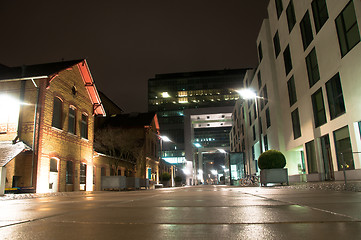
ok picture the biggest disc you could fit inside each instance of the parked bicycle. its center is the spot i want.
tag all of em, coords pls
(249, 180)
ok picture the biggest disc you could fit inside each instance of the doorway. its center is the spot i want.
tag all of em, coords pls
(53, 175)
(327, 159)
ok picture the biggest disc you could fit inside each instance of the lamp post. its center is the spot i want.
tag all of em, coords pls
(161, 140)
(249, 94)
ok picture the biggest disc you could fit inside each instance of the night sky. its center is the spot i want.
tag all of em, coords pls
(128, 42)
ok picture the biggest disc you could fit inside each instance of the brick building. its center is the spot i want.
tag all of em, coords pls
(47, 126)
(129, 144)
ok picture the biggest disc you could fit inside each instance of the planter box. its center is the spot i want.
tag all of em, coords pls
(277, 175)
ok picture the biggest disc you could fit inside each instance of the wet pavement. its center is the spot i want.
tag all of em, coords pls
(202, 212)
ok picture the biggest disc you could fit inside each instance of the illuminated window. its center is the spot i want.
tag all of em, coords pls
(57, 113)
(9, 115)
(82, 173)
(183, 100)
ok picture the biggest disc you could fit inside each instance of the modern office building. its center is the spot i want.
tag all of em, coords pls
(171, 95)
(308, 84)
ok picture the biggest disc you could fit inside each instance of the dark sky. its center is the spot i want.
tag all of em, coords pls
(128, 42)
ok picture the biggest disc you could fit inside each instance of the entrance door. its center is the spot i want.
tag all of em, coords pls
(327, 160)
(53, 175)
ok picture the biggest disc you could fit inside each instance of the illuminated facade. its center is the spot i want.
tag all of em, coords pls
(171, 94)
(52, 118)
(309, 80)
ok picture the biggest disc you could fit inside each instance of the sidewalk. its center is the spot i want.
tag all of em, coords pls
(354, 186)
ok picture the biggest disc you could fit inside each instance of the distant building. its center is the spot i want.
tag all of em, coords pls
(46, 126)
(129, 146)
(310, 83)
(172, 95)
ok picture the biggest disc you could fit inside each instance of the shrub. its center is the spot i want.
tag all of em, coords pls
(165, 177)
(271, 159)
(178, 179)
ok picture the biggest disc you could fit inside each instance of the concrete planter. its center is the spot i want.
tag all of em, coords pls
(277, 175)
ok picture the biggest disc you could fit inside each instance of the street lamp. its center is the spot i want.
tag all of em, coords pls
(249, 94)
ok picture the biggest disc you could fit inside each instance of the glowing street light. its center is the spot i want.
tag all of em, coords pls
(246, 93)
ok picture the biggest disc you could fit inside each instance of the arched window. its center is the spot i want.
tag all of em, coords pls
(69, 172)
(57, 113)
(84, 126)
(72, 118)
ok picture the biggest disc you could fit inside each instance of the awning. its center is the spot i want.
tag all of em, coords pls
(8, 151)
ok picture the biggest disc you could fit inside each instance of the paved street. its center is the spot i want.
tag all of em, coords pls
(204, 212)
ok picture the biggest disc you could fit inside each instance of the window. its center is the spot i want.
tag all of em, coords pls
(259, 80)
(335, 97)
(279, 8)
(260, 125)
(71, 125)
(84, 126)
(296, 124)
(347, 29)
(53, 165)
(268, 118)
(287, 59)
(320, 14)
(343, 145)
(253, 154)
(260, 54)
(265, 142)
(359, 128)
(254, 111)
(312, 68)
(57, 113)
(318, 108)
(276, 44)
(265, 95)
(82, 173)
(311, 157)
(102, 171)
(250, 118)
(306, 30)
(292, 91)
(69, 172)
(291, 17)
(254, 132)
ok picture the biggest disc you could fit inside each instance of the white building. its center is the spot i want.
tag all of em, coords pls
(309, 78)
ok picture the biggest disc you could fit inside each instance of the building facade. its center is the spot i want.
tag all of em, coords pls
(171, 95)
(49, 108)
(308, 85)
